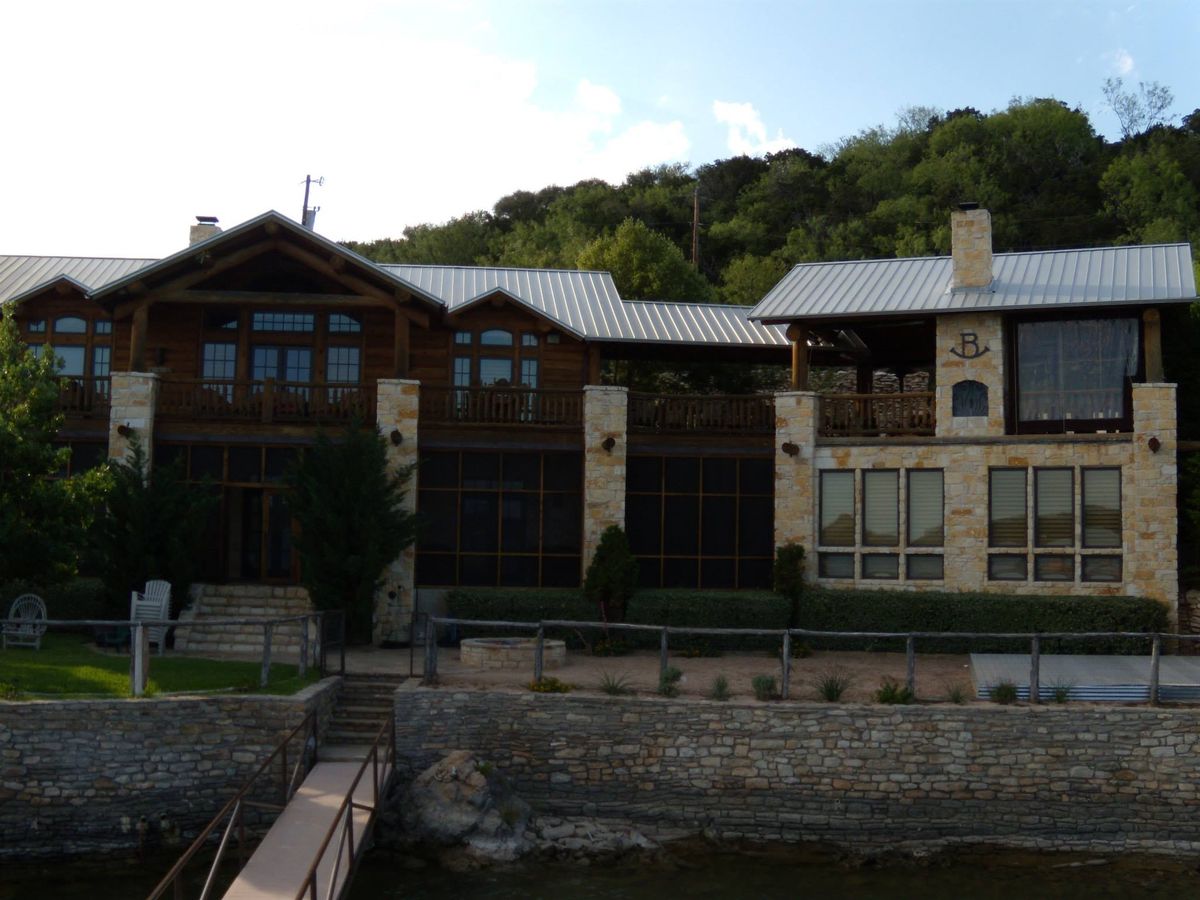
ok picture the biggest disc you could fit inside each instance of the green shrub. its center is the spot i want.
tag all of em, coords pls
(893, 692)
(719, 689)
(610, 646)
(668, 682)
(827, 609)
(612, 575)
(831, 685)
(548, 684)
(1004, 693)
(615, 685)
(1061, 692)
(958, 693)
(764, 687)
(78, 598)
(788, 577)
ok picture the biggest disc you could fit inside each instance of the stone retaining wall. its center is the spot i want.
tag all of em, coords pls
(1074, 777)
(242, 601)
(78, 776)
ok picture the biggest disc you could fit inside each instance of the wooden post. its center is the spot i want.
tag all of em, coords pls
(1155, 654)
(538, 652)
(401, 352)
(266, 656)
(268, 401)
(663, 659)
(593, 364)
(910, 656)
(798, 335)
(139, 659)
(304, 647)
(1152, 346)
(430, 651)
(785, 680)
(137, 340)
(1035, 660)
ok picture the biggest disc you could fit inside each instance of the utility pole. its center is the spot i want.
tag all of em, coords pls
(308, 216)
(696, 226)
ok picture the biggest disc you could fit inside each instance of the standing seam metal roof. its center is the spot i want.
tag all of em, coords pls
(1160, 273)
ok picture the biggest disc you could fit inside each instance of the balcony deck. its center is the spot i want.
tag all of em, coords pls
(265, 402)
(701, 414)
(876, 415)
(84, 397)
(502, 406)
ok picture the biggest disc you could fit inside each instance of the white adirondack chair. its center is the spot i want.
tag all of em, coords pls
(26, 633)
(152, 604)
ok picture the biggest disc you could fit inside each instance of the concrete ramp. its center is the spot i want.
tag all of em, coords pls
(280, 863)
(1116, 679)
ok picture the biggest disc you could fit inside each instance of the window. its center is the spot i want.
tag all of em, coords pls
(38, 326)
(835, 565)
(221, 319)
(1101, 507)
(463, 337)
(342, 365)
(880, 565)
(1006, 508)
(496, 338)
(282, 322)
(528, 339)
(70, 325)
(495, 371)
(837, 509)
(1007, 567)
(529, 373)
(219, 361)
(104, 326)
(462, 371)
(881, 509)
(101, 361)
(925, 508)
(341, 323)
(1054, 507)
(924, 567)
(70, 359)
(1053, 567)
(1101, 568)
(1072, 374)
(290, 364)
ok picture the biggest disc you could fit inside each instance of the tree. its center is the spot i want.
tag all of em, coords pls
(43, 518)
(612, 575)
(747, 279)
(645, 265)
(1141, 111)
(353, 523)
(149, 526)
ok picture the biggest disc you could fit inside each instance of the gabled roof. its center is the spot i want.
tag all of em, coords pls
(586, 304)
(1152, 273)
(23, 275)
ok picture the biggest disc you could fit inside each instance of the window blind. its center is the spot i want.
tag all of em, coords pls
(1102, 507)
(881, 508)
(1055, 507)
(925, 508)
(837, 509)
(1006, 508)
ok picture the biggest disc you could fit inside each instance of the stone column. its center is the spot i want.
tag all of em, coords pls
(970, 347)
(1150, 524)
(605, 444)
(132, 401)
(795, 473)
(396, 414)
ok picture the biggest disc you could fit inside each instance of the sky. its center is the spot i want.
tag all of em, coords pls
(124, 120)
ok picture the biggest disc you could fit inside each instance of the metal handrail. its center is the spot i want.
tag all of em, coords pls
(344, 818)
(235, 810)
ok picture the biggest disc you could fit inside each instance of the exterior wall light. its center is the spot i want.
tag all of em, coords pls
(396, 437)
(790, 449)
(1154, 444)
(124, 430)
(608, 443)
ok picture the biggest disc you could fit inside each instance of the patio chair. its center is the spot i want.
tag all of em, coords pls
(153, 604)
(26, 633)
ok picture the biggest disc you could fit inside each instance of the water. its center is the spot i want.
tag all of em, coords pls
(786, 875)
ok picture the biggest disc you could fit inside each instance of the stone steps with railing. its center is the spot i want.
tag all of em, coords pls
(241, 601)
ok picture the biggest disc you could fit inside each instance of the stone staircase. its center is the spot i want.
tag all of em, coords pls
(362, 707)
(241, 601)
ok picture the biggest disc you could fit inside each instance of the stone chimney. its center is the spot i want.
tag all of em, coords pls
(205, 227)
(971, 247)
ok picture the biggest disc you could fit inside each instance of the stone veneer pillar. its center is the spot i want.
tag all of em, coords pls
(1150, 513)
(605, 415)
(133, 397)
(795, 475)
(396, 407)
(959, 336)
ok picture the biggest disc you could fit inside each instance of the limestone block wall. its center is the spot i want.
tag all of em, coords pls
(1151, 524)
(605, 415)
(397, 405)
(795, 492)
(214, 602)
(134, 396)
(1067, 777)
(79, 775)
(959, 337)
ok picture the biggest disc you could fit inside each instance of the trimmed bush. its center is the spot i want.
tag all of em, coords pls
(79, 598)
(612, 575)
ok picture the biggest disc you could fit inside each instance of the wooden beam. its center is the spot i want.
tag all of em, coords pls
(798, 335)
(270, 298)
(137, 340)
(1152, 346)
(197, 275)
(593, 364)
(402, 345)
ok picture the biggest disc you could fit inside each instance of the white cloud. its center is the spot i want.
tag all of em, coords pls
(1122, 61)
(598, 99)
(747, 133)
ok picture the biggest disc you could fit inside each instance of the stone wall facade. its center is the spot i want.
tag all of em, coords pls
(795, 491)
(605, 416)
(133, 398)
(958, 338)
(1067, 778)
(242, 601)
(397, 406)
(86, 777)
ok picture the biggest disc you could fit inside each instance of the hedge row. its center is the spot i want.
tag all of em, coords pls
(838, 610)
(79, 598)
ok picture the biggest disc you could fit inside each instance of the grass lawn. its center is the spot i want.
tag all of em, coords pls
(68, 666)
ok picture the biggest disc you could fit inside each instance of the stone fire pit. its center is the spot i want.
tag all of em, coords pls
(510, 653)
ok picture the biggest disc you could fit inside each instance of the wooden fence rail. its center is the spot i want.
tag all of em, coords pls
(518, 406)
(859, 415)
(265, 401)
(702, 413)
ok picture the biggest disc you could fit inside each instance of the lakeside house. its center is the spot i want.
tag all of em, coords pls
(998, 422)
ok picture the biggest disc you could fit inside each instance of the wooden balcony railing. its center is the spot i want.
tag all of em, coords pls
(502, 406)
(84, 397)
(265, 401)
(858, 415)
(702, 413)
